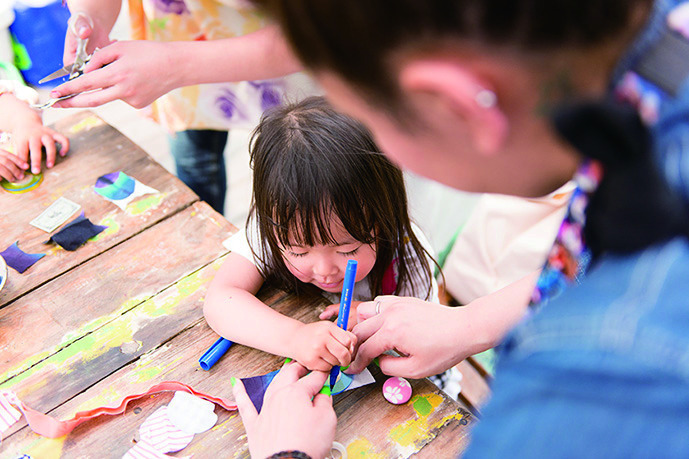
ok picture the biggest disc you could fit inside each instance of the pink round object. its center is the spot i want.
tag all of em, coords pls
(397, 390)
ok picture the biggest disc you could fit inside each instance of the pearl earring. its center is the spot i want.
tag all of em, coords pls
(486, 98)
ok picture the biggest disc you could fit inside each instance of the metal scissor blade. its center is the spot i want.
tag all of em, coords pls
(66, 70)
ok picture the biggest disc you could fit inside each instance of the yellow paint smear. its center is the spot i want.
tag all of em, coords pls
(362, 448)
(86, 123)
(415, 431)
(144, 204)
(45, 448)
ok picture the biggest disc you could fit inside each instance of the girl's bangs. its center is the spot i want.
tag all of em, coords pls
(310, 225)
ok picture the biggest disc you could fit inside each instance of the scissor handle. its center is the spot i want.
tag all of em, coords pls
(78, 20)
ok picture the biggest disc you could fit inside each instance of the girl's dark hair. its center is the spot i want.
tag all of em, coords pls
(357, 39)
(310, 163)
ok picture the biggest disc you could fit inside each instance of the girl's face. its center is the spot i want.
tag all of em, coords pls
(324, 265)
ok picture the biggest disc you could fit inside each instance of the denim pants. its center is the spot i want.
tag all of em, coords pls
(200, 163)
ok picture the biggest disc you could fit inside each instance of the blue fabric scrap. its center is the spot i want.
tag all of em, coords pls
(76, 233)
(19, 260)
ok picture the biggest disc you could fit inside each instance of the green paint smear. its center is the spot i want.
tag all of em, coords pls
(69, 338)
(113, 329)
(422, 406)
(144, 204)
(112, 227)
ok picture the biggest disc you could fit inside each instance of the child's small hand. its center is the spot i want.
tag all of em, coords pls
(322, 345)
(333, 310)
(11, 166)
(30, 137)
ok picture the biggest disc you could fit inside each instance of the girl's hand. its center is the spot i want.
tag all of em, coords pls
(11, 166)
(128, 70)
(322, 345)
(295, 416)
(334, 311)
(30, 137)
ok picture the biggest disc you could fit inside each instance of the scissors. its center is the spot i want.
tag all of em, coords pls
(77, 68)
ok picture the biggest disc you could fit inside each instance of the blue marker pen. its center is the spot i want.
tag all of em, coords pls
(213, 354)
(345, 303)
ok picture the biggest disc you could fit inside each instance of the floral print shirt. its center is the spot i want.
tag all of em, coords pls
(209, 106)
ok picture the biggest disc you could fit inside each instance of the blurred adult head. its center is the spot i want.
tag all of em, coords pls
(459, 91)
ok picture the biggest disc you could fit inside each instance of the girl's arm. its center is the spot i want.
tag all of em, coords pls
(233, 311)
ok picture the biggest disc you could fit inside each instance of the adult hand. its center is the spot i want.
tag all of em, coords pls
(429, 337)
(135, 71)
(81, 26)
(322, 345)
(295, 416)
(333, 310)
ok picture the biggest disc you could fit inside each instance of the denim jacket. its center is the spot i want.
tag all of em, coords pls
(602, 371)
(665, 104)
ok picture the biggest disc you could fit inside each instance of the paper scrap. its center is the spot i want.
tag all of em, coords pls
(191, 414)
(121, 189)
(256, 386)
(55, 215)
(159, 431)
(8, 413)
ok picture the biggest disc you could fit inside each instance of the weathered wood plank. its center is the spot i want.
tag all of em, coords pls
(475, 388)
(367, 424)
(102, 289)
(96, 149)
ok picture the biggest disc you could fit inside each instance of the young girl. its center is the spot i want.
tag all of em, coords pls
(323, 194)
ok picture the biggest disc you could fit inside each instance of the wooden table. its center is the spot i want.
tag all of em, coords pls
(123, 312)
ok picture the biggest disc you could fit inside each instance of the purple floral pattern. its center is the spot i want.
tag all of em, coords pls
(171, 6)
(229, 105)
(270, 95)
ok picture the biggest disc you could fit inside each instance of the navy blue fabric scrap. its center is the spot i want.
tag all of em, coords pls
(76, 233)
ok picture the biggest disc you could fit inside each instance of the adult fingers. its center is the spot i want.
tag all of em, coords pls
(103, 57)
(364, 330)
(398, 366)
(35, 147)
(368, 350)
(247, 410)
(288, 374)
(365, 310)
(313, 382)
(90, 99)
(64, 143)
(377, 306)
(96, 79)
(323, 401)
(70, 49)
(81, 24)
(49, 145)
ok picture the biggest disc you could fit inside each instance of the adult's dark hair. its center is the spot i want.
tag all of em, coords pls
(356, 39)
(310, 163)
